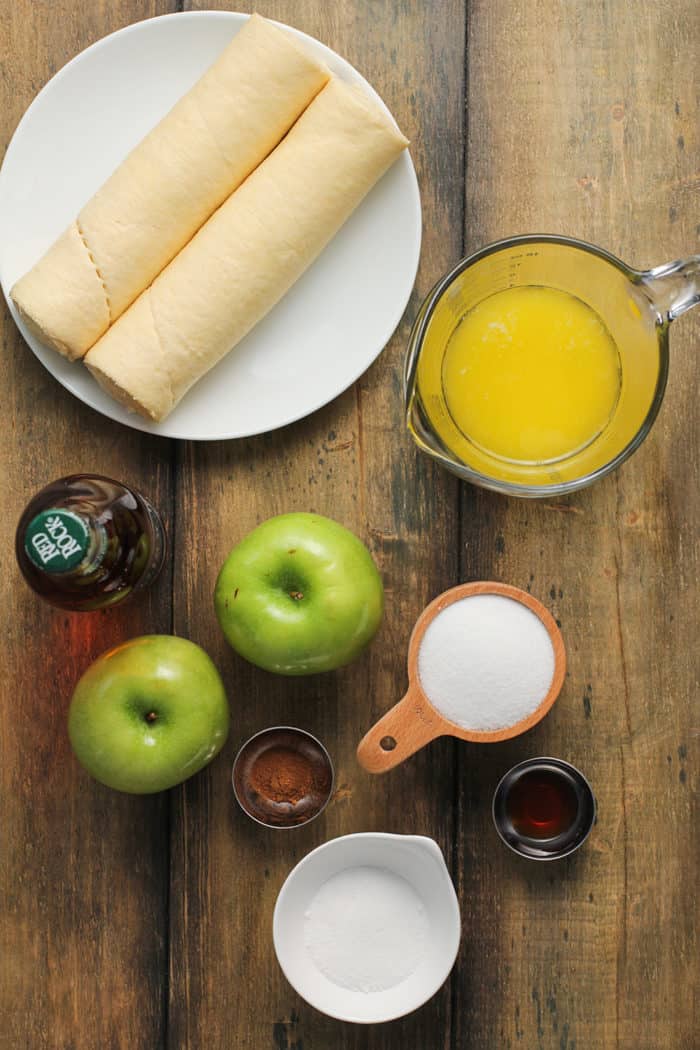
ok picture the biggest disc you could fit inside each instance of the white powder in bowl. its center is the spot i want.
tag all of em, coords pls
(485, 662)
(366, 929)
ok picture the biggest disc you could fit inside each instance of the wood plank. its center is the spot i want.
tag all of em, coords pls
(596, 136)
(352, 461)
(582, 120)
(83, 870)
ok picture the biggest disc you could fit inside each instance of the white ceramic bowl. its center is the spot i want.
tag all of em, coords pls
(414, 858)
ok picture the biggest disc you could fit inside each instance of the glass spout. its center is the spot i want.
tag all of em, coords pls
(673, 287)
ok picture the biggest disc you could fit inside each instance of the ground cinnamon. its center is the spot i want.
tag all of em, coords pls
(282, 775)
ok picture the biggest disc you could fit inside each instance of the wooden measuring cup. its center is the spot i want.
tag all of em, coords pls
(414, 722)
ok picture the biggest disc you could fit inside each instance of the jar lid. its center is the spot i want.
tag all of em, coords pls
(57, 541)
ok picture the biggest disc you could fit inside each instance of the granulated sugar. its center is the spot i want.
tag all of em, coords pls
(366, 929)
(485, 662)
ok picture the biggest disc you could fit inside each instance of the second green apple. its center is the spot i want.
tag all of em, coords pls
(148, 714)
(299, 594)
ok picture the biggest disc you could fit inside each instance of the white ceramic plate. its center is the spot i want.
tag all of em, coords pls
(413, 857)
(326, 331)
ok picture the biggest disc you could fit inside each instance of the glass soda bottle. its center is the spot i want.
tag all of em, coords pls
(86, 542)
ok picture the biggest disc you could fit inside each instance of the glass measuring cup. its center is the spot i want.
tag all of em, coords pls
(635, 306)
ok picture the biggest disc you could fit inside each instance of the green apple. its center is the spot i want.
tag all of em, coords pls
(299, 594)
(148, 714)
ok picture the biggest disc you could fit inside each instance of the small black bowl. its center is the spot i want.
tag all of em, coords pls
(562, 808)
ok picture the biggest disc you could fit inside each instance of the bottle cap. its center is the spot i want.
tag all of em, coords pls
(57, 540)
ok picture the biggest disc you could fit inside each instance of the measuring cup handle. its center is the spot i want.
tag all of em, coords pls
(674, 287)
(402, 731)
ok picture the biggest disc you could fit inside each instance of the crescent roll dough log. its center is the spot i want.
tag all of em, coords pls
(249, 253)
(168, 186)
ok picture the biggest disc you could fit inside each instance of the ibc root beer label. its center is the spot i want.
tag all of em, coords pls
(57, 540)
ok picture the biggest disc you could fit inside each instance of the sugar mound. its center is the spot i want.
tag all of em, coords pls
(485, 662)
(366, 929)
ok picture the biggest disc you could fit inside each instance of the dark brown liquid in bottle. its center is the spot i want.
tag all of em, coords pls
(542, 804)
(125, 537)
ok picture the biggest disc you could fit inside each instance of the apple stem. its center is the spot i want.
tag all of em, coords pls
(296, 595)
(151, 717)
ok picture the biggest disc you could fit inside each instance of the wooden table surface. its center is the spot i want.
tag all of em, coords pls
(145, 923)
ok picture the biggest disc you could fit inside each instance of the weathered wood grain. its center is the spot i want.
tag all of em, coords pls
(582, 119)
(352, 461)
(83, 871)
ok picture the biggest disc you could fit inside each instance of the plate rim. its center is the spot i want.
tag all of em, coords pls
(134, 421)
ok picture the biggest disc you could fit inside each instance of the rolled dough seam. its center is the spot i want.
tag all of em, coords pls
(215, 142)
(83, 238)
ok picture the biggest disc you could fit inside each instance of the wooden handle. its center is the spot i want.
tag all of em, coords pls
(403, 730)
